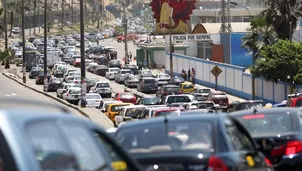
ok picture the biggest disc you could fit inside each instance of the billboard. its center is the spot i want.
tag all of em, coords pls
(239, 55)
(178, 10)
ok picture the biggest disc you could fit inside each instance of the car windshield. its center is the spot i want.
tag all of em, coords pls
(74, 73)
(149, 81)
(75, 91)
(172, 89)
(178, 99)
(147, 73)
(151, 100)
(134, 112)
(114, 70)
(246, 106)
(127, 96)
(94, 96)
(116, 108)
(77, 78)
(102, 85)
(267, 123)
(173, 136)
(164, 76)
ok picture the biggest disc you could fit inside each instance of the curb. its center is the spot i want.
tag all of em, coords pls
(13, 77)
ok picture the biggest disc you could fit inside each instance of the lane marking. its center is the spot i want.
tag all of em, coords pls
(7, 95)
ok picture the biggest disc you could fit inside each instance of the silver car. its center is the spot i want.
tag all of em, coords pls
(121, 75)
(93, 100)
(112, 73)
(132, 81)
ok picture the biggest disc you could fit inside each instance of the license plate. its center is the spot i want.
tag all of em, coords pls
(76, 96)
(220, 102)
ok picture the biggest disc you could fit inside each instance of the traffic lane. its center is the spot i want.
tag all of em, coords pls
(116, 87)
(11, 89)
(94, 114)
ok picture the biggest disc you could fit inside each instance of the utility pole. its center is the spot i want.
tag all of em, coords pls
(5, 24)
(83, 69)
(45, 46)
(35, 6)
(71, 12)
(171, 46)
(39, 20)
(225, 13)
(23, 43)
(62, 15)
(125, 34)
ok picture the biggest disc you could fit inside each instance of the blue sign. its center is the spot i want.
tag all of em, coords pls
(145, 63)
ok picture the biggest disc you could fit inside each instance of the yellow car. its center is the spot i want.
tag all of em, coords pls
(187, 87)
(113, 109)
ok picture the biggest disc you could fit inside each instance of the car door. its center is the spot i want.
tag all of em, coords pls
(248, 157)
(120, 116)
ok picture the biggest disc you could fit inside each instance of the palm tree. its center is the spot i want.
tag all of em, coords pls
(283, 15)
(260, 34)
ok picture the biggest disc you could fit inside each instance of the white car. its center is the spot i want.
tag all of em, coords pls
(72, 95)
(93, 100)
(162, 79)
(68, 71)
(128, 113)
(103, 88)
(111, 73)
(63, 89)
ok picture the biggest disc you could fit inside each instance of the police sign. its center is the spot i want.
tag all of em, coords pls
(197, 37)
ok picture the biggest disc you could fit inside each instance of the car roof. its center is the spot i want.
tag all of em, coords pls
(162, 120)
(285, 110)
(103, 82)
(133, 106)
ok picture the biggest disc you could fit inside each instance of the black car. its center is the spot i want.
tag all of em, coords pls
(34, 71)
(245, 105)
(278, 131)
(54, 84)
(101, 70)
(40, 77)
(148, 101)
(191, 142)
(168, 90)
(177, 80)
(133, 68)
(101, 60)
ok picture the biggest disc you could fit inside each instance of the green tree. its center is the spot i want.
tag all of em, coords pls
(260, 34)
(280, 61)
(283, 15)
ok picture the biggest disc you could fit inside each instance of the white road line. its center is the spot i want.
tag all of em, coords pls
(13, 94)
(7, 95)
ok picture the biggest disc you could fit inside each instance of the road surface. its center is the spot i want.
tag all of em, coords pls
(11, 89)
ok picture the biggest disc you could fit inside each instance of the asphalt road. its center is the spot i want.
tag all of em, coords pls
(10, 89)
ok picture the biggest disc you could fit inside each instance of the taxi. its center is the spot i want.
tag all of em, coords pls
(187, 87)
(113, 109)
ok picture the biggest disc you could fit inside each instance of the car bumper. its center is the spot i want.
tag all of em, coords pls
(290, 163)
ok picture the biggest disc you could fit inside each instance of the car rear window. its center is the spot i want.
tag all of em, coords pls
(134, 112)
(178, 99)
(126, 72)
(158, 138)
(127, 96)
(186, 86)
(116, 108)
(246, 106)
(74, 91)
(102, 85)
(165, 113)
(172, 89)
(268, 123)
(93, 96)
(164, 76)
(149, 81)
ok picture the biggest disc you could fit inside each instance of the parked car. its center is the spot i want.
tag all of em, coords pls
(125, 97)
(40, 77)
(132, 81)
(219, 97)
(168, 90)
(110, 75)
(72, 95)
(54, 84)
(93, 100)
(63, 89)
(103, 88)
(101, 70)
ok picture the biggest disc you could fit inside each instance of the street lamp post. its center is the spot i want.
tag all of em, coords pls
(125, 34)
(45, 46)
(83, 69)
(171, 46)
(23, 43)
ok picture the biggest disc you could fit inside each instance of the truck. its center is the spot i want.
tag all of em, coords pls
(30, 60)
(52, 58)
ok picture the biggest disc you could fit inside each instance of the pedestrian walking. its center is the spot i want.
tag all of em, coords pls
(189, 74)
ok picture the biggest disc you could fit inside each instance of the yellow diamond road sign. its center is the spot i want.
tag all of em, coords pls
(216, 71)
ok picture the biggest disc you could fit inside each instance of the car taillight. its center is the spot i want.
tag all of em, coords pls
(267, 162)
(76, 82)
(291, 147)
(217, 164)
(67, 94)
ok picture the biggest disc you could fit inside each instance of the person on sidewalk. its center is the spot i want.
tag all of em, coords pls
(189, 74)
(130, 56)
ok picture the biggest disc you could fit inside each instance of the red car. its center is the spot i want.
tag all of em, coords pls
(219, 97)
(77, 62)
(126, 97)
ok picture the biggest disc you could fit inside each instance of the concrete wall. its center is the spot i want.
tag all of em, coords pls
(232, 80)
